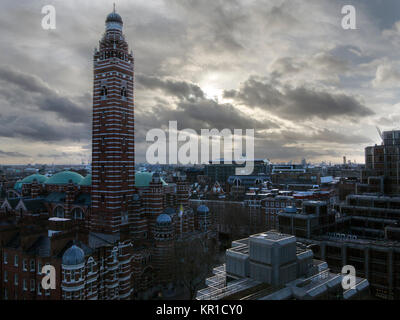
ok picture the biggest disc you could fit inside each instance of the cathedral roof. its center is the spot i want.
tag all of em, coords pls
(143, 179)
(87, 181)
(65, 177)
(38, 177)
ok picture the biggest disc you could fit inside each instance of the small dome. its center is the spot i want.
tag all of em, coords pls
(114, 17)
(203, 209)
(73, 256)
(164, 219)
(38, 177)
(65, 177)
(170, 211)
(87, 181)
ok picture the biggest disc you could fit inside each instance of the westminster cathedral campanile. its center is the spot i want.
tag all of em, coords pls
(113, 151)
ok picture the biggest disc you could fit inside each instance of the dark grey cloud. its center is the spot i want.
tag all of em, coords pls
(323, 135)
(307, 68)
(12, 154)
(191, 109)
(298, 103)
(35, 128)
(180, 89)
(33, 91)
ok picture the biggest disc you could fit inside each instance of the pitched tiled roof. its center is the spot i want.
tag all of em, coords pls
(41, 247)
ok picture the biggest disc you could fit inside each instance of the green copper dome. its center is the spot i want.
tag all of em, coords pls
(65, 177)
(38, 177)
(18, 185)
(87, 181)
(143, 179)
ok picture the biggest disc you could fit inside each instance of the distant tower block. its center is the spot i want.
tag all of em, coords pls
(344, 160)
(113, 150)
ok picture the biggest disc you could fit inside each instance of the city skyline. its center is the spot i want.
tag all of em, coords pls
(310, 88)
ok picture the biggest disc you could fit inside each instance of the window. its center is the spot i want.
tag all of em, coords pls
(39, 267)
(39, 289)
(5, 276)
(78, 214)
(5, 258)
(32, 284)
(103, 91)
(25, 286)
(123, 92)
(24, 265)
(32, 265)
(16, 260)
(59, 212)
(16, 279)
(5, 294)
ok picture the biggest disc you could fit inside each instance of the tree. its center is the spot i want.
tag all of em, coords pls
(193, 262)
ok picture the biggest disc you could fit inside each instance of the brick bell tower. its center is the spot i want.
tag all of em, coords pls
(113, 149)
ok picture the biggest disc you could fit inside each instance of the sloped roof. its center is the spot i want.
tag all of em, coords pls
(65, 177)
(38, 177)
(41, 247)
(87, 181)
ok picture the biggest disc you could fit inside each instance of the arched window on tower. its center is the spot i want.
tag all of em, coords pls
(102, 172)
(77, 214)
(59, 212)
(103, 92)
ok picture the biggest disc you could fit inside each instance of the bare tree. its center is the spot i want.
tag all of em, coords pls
(194, 260)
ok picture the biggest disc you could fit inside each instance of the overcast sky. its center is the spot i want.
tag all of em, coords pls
(288, 69)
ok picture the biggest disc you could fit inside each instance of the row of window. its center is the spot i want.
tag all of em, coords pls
(77, 213)
(112, 73)
(25, 288)
(277, 204)
(104, 92)
(24, 263)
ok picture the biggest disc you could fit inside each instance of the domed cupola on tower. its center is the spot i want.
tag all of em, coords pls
(73, 274)
(114, 21)
(73, 256)
(203, 218)
(164, 244)
(163, 220)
